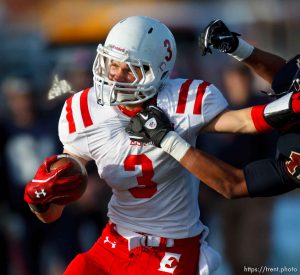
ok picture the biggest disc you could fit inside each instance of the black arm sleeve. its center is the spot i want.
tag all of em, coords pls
(267, 177)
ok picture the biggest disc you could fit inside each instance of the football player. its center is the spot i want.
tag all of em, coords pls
(154, 225)
(267, 177)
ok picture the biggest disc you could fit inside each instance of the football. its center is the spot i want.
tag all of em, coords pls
(78, 168)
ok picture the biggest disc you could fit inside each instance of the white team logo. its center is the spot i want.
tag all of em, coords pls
(59, 87)
(113, 244)
(298, 63)
(169, 262)
(38, 194)
(151, 123)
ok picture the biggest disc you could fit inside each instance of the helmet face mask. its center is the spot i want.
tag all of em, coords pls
(128, 92)
(134, 42)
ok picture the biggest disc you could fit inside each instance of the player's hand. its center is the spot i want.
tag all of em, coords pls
(136, 130)
(47, 186)
(217, 35)
(151, 124)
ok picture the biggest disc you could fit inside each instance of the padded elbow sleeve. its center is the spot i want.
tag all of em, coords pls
(266, 178)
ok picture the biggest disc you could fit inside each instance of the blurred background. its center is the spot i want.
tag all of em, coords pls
(41, 38)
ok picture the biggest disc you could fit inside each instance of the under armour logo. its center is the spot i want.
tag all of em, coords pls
(38, 194)
(113, 244)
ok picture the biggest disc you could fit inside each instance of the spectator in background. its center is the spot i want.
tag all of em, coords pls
(29, 138)
(238, 217)
(31, 135)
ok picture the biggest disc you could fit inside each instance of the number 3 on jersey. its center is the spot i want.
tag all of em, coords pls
(147, 188)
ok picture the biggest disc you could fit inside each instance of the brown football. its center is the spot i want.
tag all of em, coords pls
(78, 167)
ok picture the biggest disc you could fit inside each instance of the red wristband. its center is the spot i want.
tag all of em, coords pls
(296, 103)
(257, 115)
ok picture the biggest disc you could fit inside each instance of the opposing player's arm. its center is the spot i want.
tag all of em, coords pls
(239, 121)
(261, 178)
(279, 114)
(217, 174)
(217, 35)
(264, 64)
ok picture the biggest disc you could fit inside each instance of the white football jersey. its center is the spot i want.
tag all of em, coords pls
(152, 192)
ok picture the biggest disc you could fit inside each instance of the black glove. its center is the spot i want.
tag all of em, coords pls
(136, 131)
(217, 35)
(149, 125)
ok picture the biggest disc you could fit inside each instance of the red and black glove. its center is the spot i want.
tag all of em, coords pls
(279, 114)
(48, 186)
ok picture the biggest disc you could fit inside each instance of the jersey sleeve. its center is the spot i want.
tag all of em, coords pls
(74, 140)
(213, 103)
(195, 102)
(190, 105)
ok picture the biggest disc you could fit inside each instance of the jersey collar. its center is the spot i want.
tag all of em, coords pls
(132, 113)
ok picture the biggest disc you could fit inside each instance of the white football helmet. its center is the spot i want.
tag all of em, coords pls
(144, 44)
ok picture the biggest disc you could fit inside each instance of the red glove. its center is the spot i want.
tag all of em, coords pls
(48, 186)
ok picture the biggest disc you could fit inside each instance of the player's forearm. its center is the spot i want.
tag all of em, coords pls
(218, 175)
(222, 177)
(264, 64)
(232, 121)
(52, 214)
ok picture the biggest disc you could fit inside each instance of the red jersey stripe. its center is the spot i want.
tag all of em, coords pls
(84, 108)
(198, 102)
(69, 115)
(183, 93)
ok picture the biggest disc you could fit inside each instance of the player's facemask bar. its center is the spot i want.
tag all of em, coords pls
(121, 93)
